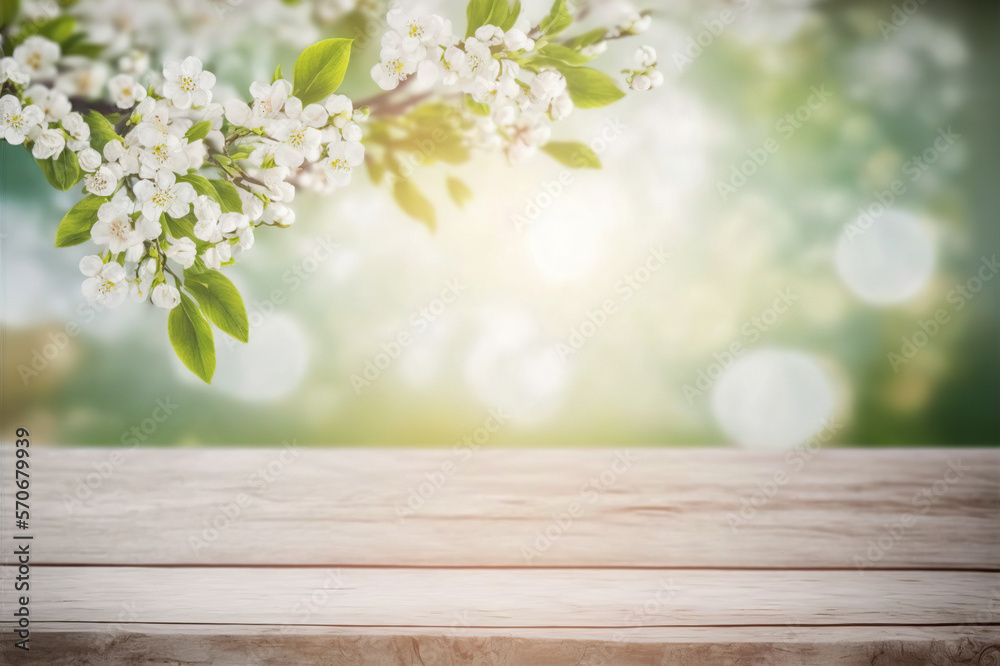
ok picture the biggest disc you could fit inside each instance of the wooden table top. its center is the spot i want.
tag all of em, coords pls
(301, 555)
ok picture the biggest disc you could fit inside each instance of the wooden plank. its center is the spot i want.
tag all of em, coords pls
(509, 597)
(57, 644)
(622, 508)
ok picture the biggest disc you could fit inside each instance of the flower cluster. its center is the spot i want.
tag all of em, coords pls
(41, 115)
(486, 67)
(644, 76)
(177, 181)
(152, 207)
(510, 72)
(319, 143)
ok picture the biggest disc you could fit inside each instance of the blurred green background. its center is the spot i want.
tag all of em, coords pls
(540, 250)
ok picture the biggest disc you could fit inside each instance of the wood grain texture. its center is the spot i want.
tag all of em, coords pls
(63, 644)
(511, 597)
(583, 557)
(579, 508)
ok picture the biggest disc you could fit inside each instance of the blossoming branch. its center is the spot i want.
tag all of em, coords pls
(176, 181)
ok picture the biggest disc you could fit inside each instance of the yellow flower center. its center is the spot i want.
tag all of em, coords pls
(120, 228)
(188, 84)
(162, 198)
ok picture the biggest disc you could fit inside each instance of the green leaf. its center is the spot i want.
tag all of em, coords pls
(573, 154)
(483, 12)
(8, 11)
(277, 74)
(558, 19)
(228, 198)
(77, 222)
(77, 44)
(320, 69)
(413, 202)
(220, 301)
(62, 172)
(183, 227)
(512, 16)
(587, 38)
(58, 29)
(101, 130)
(198, 131)
(476, 107)
(564, 54)
(537, 63)
(458, 191)
(200, 184)
(498, 15)
(192, 339)
(590, 88)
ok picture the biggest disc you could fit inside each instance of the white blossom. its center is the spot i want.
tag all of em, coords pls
(640, 82)
(83, 78)
(340, 109)
(217, 255)
(207, 211)
(183, 251)
(13, 71)
(78, 130)
(54, 103)
(165, 195)
(47, 143)
(396, 62)
(343, 157)
(91, 264)
(89, 159)
(165, 296)
(114, 227)
(125, 91)
(491, 35)
(187, 85)
(107, 285)
(645, 57)
(101, 182)
(16, 122)
(299, 142)
(149, 229)
(38, 56)
(419, 31)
